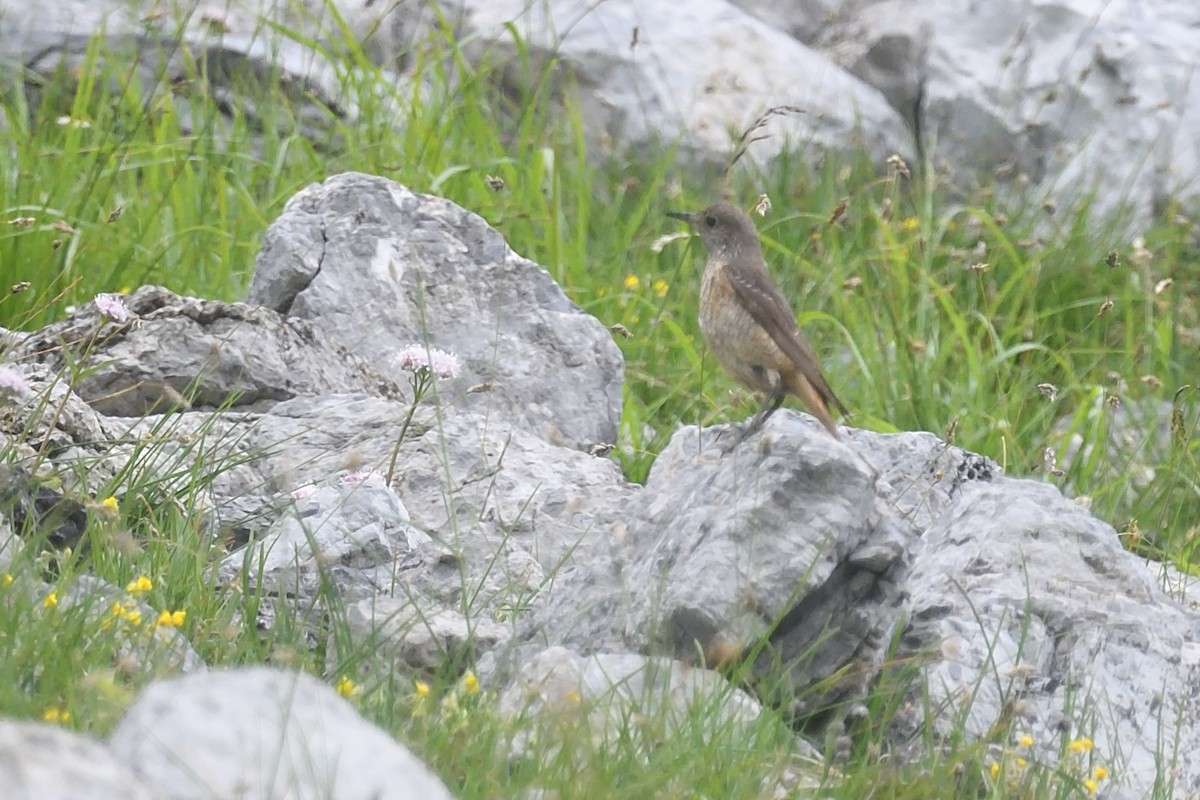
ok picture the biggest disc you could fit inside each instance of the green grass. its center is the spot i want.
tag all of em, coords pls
(101, 190)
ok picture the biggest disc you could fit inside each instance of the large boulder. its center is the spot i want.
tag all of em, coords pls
(657, 72)
(1074, 99)
(264, 733)
(1021, 603)
(45, 761)
(378, 268)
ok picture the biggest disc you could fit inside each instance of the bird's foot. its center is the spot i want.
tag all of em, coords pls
(737, 433)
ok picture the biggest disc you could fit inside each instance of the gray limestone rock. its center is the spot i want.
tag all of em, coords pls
(1056, 99)
(1022, 603)
(404, 634)
(36, 506)
(56, 420)
(225, 45)
(376, 267)
(264, 733)
(357, 523)
(783, 552)
(919, 474)
(840, 559)
(505, 508)
(561, 691)
(650, 73)
(178, 353)
(1069, 96)
(49, 763)
(764, 546)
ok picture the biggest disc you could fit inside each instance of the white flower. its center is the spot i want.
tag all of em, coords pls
(112, 307)
(13, 385)
(416, 357)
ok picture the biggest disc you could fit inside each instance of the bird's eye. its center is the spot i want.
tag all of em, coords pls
(710, 221)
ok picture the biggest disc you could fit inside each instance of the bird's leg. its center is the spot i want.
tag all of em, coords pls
(774, 400)
(772, 403)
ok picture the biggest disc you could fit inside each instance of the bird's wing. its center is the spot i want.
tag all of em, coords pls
(770, 309)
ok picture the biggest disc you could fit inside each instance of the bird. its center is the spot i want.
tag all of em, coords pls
(747, 322)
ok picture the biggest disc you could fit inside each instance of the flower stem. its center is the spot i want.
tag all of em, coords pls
(420, 382)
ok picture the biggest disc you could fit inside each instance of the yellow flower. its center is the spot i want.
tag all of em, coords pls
(660, 287)
(1081, 745)
(6, 581)
(1100, 774)
(1091, 786)
(172, 619)
(142, 584)
(109, 504)
(1021, 763)
(632, 282)
(994, 769)
(346, 687)
(422, 689)
(1026, 741)
(125, 290)
(51, 600)
(471, 683)
(910, 224)
(119, 611)
(573, 697)
(56, 715)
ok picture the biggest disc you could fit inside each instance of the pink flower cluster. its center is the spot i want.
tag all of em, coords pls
(417, 357)
(13, 385)
(111, 306)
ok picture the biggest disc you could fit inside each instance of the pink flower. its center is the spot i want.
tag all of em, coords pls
(304, 491)
(13, 385)
(417, 357)
(371, 478)
(112, 307)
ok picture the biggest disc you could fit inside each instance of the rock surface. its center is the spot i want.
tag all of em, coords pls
(226, 42)
(600, 694)
(648, 73)
(377, 267)
(422, 638)
(181, 352)
(1074, 96)
(788, 551)
(1021, 596)
(47, 762)
(264, 733)
(357, 523)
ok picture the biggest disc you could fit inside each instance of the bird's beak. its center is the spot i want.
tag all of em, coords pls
(680, 215)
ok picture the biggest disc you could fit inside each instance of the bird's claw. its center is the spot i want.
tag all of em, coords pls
(741, 432)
